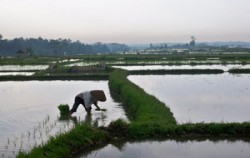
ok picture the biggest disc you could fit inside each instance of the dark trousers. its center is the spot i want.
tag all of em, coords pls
(78, 101)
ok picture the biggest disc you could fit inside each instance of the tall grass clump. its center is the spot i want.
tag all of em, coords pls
(142, 107)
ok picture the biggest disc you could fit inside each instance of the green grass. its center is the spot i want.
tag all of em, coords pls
(141, 106)
(28, 60)
(56, 77)
(149, 118)
(183, 71)
(80, 138)
(238, 71)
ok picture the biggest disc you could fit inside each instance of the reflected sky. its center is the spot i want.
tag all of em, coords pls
(172, 67)
(201, 98)
(16, 73)
(168, 148)
(22, 67)
(29, 113)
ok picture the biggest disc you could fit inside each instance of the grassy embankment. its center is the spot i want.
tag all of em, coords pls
(62, 72)
(133, 98)
(28, 60)
(239, 71)
(58, 71)
(149, 118)
(174, 72)
(65, 145)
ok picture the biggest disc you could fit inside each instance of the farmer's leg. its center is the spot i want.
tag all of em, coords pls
(87, 109)
(78, 101)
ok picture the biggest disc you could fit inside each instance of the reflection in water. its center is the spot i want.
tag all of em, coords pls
(175, 149)
(179, 67)
(29, 113)
(201, 98)
(88, 119)
(16, 73)
(22, 67)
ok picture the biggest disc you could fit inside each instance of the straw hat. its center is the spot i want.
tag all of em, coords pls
(98, 95)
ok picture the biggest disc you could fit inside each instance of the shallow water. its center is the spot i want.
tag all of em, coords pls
(22, 67)
(16, 73)
(174, 149)
(179, 67)
(201, 98)
(29, 114)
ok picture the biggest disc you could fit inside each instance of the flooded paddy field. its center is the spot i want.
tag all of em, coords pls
(16, 73)
(181, 67)
(201, 98)
(20, 70)
(172, 148)
(22, 67)
(29, 113)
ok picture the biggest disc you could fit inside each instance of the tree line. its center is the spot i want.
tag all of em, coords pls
(54, 47)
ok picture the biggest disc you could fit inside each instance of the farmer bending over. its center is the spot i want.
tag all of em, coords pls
(87, 99)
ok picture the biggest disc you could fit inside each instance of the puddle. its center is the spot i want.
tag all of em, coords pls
(201, 98)
(29, 114)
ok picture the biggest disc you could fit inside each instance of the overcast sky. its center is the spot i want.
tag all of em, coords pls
(126, 21)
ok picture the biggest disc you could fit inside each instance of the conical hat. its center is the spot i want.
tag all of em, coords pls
(98, 95)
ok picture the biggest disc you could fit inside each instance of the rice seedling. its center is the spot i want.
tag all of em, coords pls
(64, 109)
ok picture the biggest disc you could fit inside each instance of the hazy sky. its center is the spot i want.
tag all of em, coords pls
(127, 21)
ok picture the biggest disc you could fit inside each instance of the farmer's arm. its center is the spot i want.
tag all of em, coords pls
(96, 105)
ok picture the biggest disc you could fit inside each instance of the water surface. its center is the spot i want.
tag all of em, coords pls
(201, 98)
(180, 67)
(16, 73)
(22, 67)
(29, 114)
(174, 149)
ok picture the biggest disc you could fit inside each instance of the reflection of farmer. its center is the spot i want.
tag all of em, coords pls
(87, 99)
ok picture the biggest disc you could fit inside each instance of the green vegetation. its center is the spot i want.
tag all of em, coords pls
(56, 77)
(145, 123)
(183, 71)
(80, 138)
(142, 107)
(149, 118)
(237, 71)
(28, 61)
(133, 59)
(64, 109)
